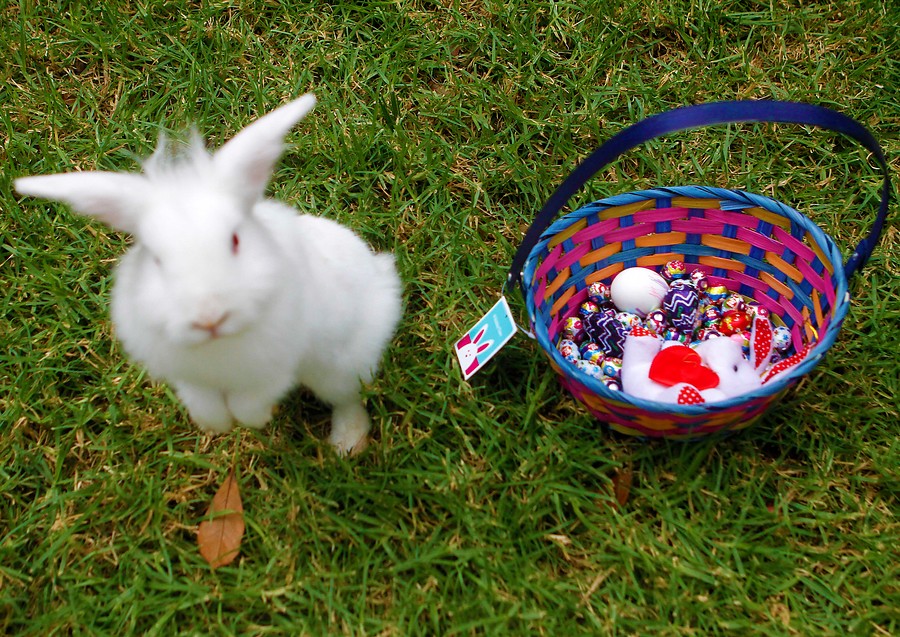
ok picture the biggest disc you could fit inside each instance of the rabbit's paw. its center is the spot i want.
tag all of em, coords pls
(349, 429)
(250, 409)
(207, 408)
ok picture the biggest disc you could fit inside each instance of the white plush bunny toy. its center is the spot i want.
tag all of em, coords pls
(233, 298)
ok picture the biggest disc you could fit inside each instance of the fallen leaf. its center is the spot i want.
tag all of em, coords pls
(622, 484)
(219, 536)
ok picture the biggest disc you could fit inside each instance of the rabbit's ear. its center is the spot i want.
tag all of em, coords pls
(247, 161)
(113, 198)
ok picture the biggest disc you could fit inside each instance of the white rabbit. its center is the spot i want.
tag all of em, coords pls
(233, 298)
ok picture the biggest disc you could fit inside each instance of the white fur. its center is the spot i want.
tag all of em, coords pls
(726, 358)
(302, 301)
(722, 355)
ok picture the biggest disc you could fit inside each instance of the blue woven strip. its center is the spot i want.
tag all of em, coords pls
(706, 115)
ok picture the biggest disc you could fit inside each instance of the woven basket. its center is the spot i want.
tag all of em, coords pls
(753, 245)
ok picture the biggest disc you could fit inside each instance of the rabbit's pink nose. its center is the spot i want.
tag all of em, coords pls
(210, 324)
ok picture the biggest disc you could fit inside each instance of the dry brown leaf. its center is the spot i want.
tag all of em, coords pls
(219, 536)
(622, 484)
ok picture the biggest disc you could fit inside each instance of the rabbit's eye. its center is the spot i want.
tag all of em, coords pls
(235, 243)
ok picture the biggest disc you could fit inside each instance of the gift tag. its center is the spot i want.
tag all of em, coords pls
(484, 340)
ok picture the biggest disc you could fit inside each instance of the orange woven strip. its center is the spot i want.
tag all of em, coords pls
(776, 285)
(817, 306)
(656, 424)
(697, 204)
(792, 272)
(629, 209)
(720, 419)
(562, 300)
(811, 334)
(662, 239)
(594, 402)
(605, 273)
(559, 237)
(557, 283)
(658, 259)
(725, 264)
(622, 429)
(769, 217)
(724, 243)
(600, 254)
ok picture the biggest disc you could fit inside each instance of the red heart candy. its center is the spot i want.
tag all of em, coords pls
(681, 364)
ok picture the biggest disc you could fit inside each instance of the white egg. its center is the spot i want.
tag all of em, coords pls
(638, 290)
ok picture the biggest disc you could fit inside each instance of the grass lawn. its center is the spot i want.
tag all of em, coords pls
(480, 508)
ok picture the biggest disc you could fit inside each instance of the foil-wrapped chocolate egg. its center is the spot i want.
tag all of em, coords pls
(573, 329)
(706, 333)
(599, 293)
(733, 321)
(587, 348)
(588, 307)
(591, 369)
(612, 367)
(569, 350)
(628, 320)
(743, 338)
(716, 293)
(674, 270)
(681, 283)
(782, 339)
(613, 384)
(606, 331)
(656, 322)
(735, 302)
(677, 336)
(710, 314)
(700, 280)
(680, 305)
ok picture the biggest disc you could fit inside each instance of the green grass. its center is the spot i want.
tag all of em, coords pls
(482, 508)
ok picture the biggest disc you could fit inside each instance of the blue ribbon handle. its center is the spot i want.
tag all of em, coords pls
(707, 115)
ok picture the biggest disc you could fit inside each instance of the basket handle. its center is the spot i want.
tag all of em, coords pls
(688, 117)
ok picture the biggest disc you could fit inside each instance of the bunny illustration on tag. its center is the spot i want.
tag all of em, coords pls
(469, 348)
(484, 340)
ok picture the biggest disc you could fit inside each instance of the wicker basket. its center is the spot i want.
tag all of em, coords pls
(751, 244)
